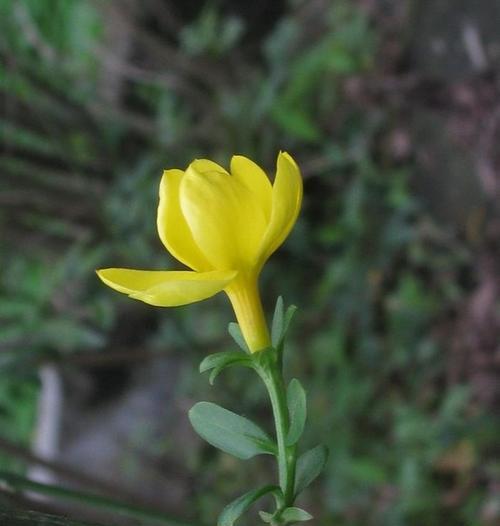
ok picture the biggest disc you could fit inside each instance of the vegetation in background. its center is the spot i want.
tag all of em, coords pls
(100, 98)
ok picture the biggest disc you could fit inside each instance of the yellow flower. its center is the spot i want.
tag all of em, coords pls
(224, 226)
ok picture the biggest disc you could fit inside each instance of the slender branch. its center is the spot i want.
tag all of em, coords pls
(59, 468)
(34, 518)
(76, 477)
(18, 483)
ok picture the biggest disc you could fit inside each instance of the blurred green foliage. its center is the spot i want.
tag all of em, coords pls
(98, 102)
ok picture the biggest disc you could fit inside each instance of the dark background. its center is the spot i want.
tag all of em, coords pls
(392, 110)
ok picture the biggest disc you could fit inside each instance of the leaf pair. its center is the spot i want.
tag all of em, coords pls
(233, 511)
(219, 361)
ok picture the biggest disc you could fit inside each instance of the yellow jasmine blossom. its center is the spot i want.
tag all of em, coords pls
(224, 226)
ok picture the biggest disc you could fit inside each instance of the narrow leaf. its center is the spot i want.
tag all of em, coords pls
(216, 371)
(219, 361)
(297, 409)
(309, 466)
(295, 515)
(232, 512)
(235, 332)
(290, 313)
(266, 517)
(277, 325)
(230, 432)
(222, 359)
(213, 374)
(281, 323)
(17, 483)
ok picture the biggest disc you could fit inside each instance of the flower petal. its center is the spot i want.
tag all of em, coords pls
(286, 202)
(172, 227)
(206, 165)
(223, 216)
(255, 179)
(166, 288)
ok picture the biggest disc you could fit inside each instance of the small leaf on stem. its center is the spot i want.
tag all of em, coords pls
(295, 515)
(277, 325)
(281, 322)
(297, 409)
(266, 517)
(309, 466)
(290, 313)
(230, 432)
(234, 330)
(220, 360)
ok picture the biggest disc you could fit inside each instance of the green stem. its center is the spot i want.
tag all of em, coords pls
(272, 376)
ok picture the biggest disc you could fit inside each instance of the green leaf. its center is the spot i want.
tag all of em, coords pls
(213, 374)
(277, 325)
(297, 409)
(232, 512)
(230, 432)
(221, 358)
(295, 515)
(309, 466)
(235, 332)
(219, 361)
(266, 517)
(290, 312)
(281, 322)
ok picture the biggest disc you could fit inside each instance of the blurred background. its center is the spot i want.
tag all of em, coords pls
(392, 110)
